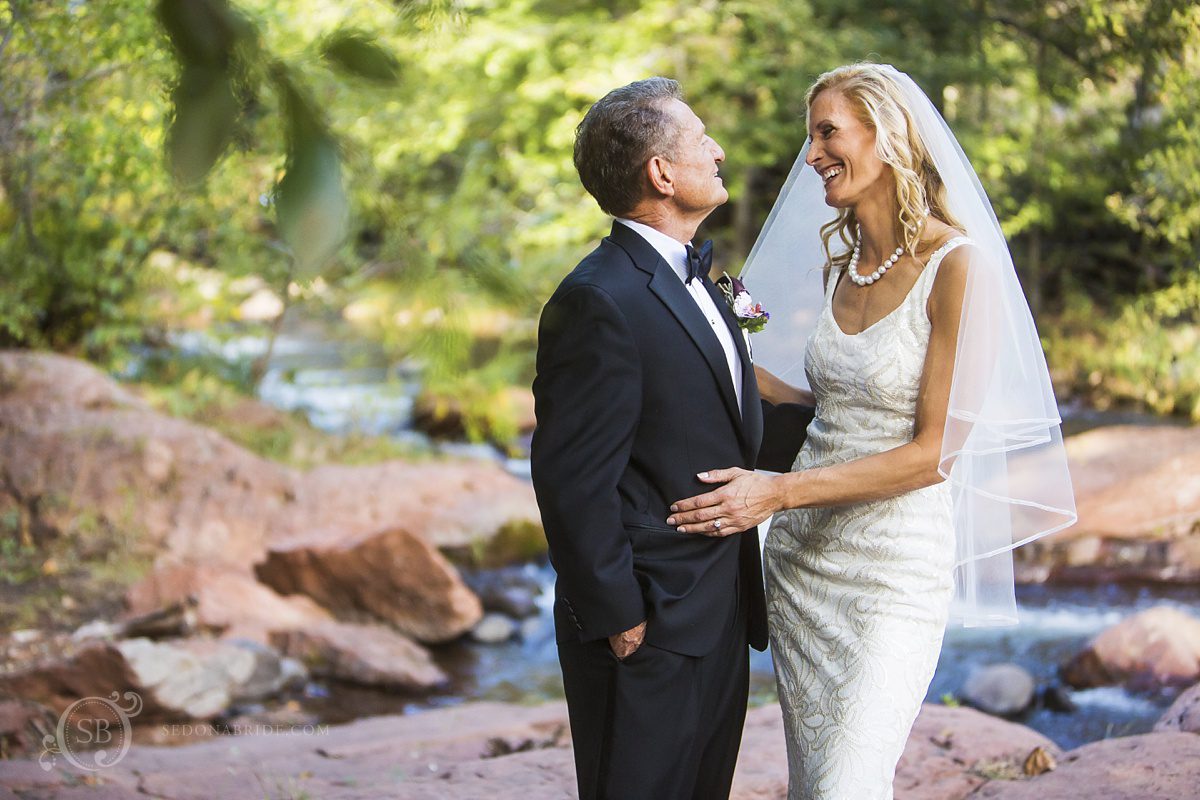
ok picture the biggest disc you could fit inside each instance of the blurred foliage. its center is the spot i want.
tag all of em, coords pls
(1144, 355)
(64, 583)
(64, 578)
(160, 164)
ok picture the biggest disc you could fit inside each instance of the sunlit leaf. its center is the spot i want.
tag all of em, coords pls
(359, 55)
(203, 31)
(310, 201)
(205, 113)
(496, 279)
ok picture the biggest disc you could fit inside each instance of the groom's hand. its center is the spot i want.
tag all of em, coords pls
(626, 644)
(745, 500)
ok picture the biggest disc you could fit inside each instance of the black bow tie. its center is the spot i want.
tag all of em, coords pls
(699, 262)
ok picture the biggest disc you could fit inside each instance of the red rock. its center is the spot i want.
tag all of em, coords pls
(469, 508)
(952, 749)
(233, 603)
(68, 431)
(939, 763)
(1156, 766)
(64, 671)
(1184, 713)
(762, 762)
(183, 678)
(367, 654)
(22, 725)
(1138, 493)
(540, 774)
(371, 758)
(490, 751)
(96, 789)
(392, 575)
(228, 600)
(208, 509)
(1156, 648)
(190, 497)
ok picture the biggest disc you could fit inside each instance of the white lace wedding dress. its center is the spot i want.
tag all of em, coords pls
(858, 595)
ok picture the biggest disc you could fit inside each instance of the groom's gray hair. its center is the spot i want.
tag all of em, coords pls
(618, 135)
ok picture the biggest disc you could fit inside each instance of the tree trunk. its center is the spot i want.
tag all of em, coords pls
(1037, 163)
(744, 229)
(259, 368)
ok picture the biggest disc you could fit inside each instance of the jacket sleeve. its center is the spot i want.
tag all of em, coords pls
(785, 427)
(587, 397)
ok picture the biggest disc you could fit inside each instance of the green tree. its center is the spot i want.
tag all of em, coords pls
(417, 155)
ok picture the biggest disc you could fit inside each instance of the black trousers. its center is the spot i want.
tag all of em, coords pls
(658, 725)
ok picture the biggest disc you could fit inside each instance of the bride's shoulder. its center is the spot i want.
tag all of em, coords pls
(936, 235)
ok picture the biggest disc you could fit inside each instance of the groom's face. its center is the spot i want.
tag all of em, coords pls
(695, 163)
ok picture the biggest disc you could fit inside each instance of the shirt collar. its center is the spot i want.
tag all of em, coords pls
(674, 253)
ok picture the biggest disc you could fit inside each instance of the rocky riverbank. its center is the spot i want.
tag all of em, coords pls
(494, 752)
(221, 586)
(347, 572)
(1138, 494)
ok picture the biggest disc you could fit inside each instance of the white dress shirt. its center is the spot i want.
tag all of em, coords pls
(675, 254)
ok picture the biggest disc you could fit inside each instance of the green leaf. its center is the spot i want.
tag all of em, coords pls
(310, 201)
(203, 31)
(359, 55)
(205, 113)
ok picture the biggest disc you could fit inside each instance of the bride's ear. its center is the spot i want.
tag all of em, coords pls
(658, 173)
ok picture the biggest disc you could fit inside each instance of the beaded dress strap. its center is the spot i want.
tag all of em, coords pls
(929, 274)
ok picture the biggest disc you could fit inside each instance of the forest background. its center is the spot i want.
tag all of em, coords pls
(405, 167)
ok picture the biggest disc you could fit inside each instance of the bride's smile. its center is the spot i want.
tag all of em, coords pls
(830, 174)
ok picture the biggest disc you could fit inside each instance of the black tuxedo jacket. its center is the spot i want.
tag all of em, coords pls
(633, 398)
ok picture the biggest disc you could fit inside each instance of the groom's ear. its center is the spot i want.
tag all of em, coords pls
(658, 173)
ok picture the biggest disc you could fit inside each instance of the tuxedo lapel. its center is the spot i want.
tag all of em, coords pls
(665, 284)
(670, 290)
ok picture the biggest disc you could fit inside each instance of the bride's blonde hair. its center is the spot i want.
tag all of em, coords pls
(879, 104)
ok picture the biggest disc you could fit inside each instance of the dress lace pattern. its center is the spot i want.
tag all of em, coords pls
(859, 594)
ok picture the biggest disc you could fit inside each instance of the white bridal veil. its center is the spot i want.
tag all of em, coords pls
(1002, 451)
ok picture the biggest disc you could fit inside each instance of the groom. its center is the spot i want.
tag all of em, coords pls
(643, 380)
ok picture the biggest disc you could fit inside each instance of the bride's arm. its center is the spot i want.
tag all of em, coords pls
(776, 391)
(748, 498)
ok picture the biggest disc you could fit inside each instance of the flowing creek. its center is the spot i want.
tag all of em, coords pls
(343, 386)
(1055, 623)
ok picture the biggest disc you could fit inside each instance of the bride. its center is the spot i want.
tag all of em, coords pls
(936, 446)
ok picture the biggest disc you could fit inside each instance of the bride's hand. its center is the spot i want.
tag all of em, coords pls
(745, 500)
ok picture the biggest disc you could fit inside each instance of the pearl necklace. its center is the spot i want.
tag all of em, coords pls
(866, 280)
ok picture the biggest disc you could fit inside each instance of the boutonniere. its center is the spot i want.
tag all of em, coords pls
(751, 317)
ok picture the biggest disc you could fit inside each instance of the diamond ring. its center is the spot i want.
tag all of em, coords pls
(716, 524)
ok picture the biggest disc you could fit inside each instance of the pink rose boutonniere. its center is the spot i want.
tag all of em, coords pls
(751, 317)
